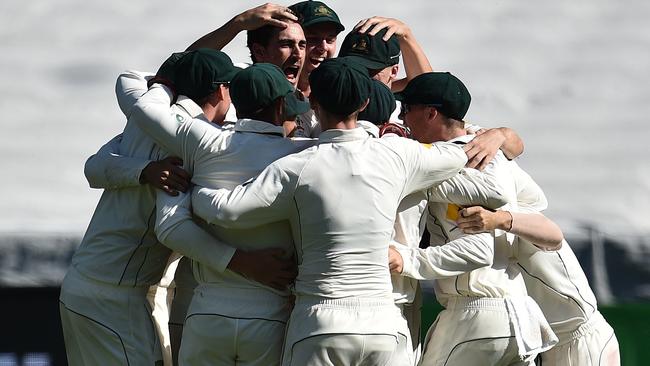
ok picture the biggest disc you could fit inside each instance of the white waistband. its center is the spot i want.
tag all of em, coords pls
(75, 279)
(462, 302)
(593, 322)
(352, 302)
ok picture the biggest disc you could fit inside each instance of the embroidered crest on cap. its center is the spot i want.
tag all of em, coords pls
(323, 11)
(361, 46)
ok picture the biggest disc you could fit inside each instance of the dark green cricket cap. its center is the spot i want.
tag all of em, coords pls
(371, 51)
(381, 106)
(439, 89)
(340, 85)
(314, 12)
(259, 85)
(198, 73)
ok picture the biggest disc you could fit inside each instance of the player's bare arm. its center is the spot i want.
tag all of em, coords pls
(266, 14)
(482, 149)
(269, 267)
(167, 175)
(534, 227)
(413, 56)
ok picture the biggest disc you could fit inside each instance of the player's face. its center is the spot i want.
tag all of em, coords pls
(418, 118)
(385, 75)
(321, 45)
(287, 51)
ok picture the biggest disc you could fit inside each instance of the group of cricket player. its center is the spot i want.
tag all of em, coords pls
(285, 212)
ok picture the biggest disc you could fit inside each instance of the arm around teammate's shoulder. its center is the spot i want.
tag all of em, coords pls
(428, 164)
(129, 87)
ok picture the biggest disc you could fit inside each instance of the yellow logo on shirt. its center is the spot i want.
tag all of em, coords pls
(452, 211)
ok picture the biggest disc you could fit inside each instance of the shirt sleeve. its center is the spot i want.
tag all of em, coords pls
(470, 187)
(428, 164)
(530, 196)
(176, 230)
(130, 86)
(176, 133)
(108, 169)
(491, 188)
(459, 256)
(263, 200)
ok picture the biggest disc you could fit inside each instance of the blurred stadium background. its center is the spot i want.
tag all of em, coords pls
(571, 77)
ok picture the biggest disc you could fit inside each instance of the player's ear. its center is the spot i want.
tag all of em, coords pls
(433, 113)
(259, 52)
(223, 92)
(393, 72)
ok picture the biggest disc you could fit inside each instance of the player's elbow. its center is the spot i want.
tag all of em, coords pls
(91, 173)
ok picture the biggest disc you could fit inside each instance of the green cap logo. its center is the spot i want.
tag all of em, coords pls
(322, 11)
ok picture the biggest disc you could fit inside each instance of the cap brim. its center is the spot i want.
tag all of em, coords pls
(293, 106)
(400, 96)
(339, 27)
(368, 64)
(231, 74)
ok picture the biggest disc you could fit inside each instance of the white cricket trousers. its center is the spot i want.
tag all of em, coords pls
(480, 331)
(592, 344)
(233, 327)
(105, 324)
(351, 332)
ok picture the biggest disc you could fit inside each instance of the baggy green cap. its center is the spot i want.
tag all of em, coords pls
(340, 85)
(198, 73)
(315, 12)
(439, 89)
(371, 51)
(259, 85)
(381, 106)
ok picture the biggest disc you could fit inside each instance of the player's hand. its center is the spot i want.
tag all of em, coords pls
(166, 174)
(395, 261)
(269, 267)
(376, 24)
(267, 14)
(476, 219)
(482, 149)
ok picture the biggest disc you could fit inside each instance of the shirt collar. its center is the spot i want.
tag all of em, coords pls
(261, 127)
(190, 107)
(335, 135)
(369, 127)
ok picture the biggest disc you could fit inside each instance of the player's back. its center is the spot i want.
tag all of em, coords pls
(120, 246)
(558, 284)
(345, 204)
(500, 279)
(236, 156)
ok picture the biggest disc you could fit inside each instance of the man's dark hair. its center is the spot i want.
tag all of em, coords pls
(260, 36)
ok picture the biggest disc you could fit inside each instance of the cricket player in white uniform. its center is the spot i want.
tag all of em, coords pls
(500, 324)
(104, 311)
(554, 278)
(373, 43)
(232, 320)
(340, 197)
(108, 169)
